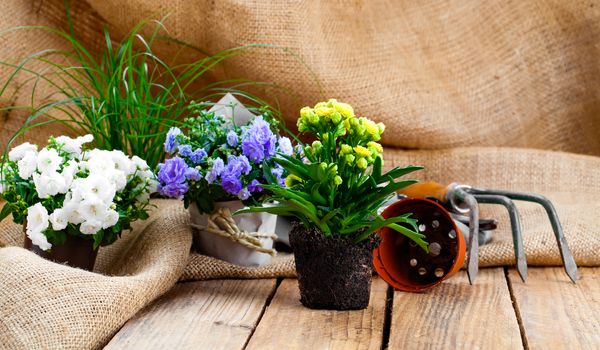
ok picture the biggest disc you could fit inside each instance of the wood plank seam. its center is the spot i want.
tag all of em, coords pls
(387, 319)
(515, 304)
(264, 309)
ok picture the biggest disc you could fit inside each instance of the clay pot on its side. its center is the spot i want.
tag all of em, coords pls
(333, 273)
(407, 267)
(76, 252)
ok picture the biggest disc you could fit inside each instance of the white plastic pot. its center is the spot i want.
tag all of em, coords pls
(227, 249)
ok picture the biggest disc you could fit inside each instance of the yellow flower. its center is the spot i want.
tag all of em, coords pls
(362, 151)
(371, 127)
(346, 149)
(381, 127)
(305, 112)
(375, 147)
(323, 111)
(345, 109)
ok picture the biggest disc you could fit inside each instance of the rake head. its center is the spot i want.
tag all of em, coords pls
(463, 202)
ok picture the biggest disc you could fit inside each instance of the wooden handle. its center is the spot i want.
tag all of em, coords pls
(425, 189)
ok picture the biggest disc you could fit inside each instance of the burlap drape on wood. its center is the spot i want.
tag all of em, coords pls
(485, 76)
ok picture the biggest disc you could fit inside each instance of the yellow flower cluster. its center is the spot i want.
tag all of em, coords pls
(338, 117)
(361, 156)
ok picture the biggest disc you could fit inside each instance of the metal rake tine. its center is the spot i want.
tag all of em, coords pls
(473, 253)
(565, 254)
(515, 225)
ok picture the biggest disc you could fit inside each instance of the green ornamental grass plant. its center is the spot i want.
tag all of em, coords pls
(126, 96)
(337, 184)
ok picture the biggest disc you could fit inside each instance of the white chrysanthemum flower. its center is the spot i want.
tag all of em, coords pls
(49, 184)
(48, 160)
(99, 162)
(93, 209)
(118, 179)
(94, 186)
(85, 139)
(59, 219)
(122, 162)
(69, 171)
(73, 146)
(27, 165)
(70, 212)
(37, 223)
(111, 219)
(141, 164)
(90, 227)
(17, 153)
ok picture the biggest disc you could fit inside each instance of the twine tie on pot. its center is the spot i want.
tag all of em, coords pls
(221, 223)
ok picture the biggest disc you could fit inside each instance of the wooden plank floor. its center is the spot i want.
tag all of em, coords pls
(498, 312)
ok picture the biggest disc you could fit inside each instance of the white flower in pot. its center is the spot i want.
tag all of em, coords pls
(70, 200)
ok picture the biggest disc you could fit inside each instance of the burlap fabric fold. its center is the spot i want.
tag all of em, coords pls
(44, 305)
(439, 74)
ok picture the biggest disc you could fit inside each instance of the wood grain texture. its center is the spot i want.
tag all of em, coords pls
(557, 314)
(219, 314)
(286, 324)
(456, 315)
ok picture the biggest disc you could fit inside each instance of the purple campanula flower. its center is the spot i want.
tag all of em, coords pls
(237, 166)
(193, 174)
(185, 150)
(254, 186)
(270, 146)
(253, 150)
(258, 141)
(198, 155)
(277, 171)
(215, 171)
(285, 146)
(172, 178)
(232, 138)
(244, 194)
(231, 183)
(171, 142)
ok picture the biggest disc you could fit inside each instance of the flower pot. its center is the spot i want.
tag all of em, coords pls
(76, 252)
(407, 267)
(333, 273)
(228, 248)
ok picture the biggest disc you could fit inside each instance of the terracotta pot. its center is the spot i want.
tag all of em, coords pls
(407, 267)
(333, 273)
(228, 250)
(76, 252)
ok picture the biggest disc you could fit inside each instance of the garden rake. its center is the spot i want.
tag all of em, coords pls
(463, 200)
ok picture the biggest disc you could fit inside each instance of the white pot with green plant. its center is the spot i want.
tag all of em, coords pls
(217, 167)
(334, 189)
(71, 200)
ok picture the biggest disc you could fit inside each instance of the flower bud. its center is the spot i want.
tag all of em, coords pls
(317, 146)
(362, 163)
(337, 180)
(349, 159)
(346, 149)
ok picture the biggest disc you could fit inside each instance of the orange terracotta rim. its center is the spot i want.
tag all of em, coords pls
(389, 257)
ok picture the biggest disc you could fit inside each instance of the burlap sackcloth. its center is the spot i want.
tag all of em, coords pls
(440, 74)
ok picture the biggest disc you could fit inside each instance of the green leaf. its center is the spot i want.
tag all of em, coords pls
(7, 209)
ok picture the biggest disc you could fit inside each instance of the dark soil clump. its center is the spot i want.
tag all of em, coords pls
(333, 272)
